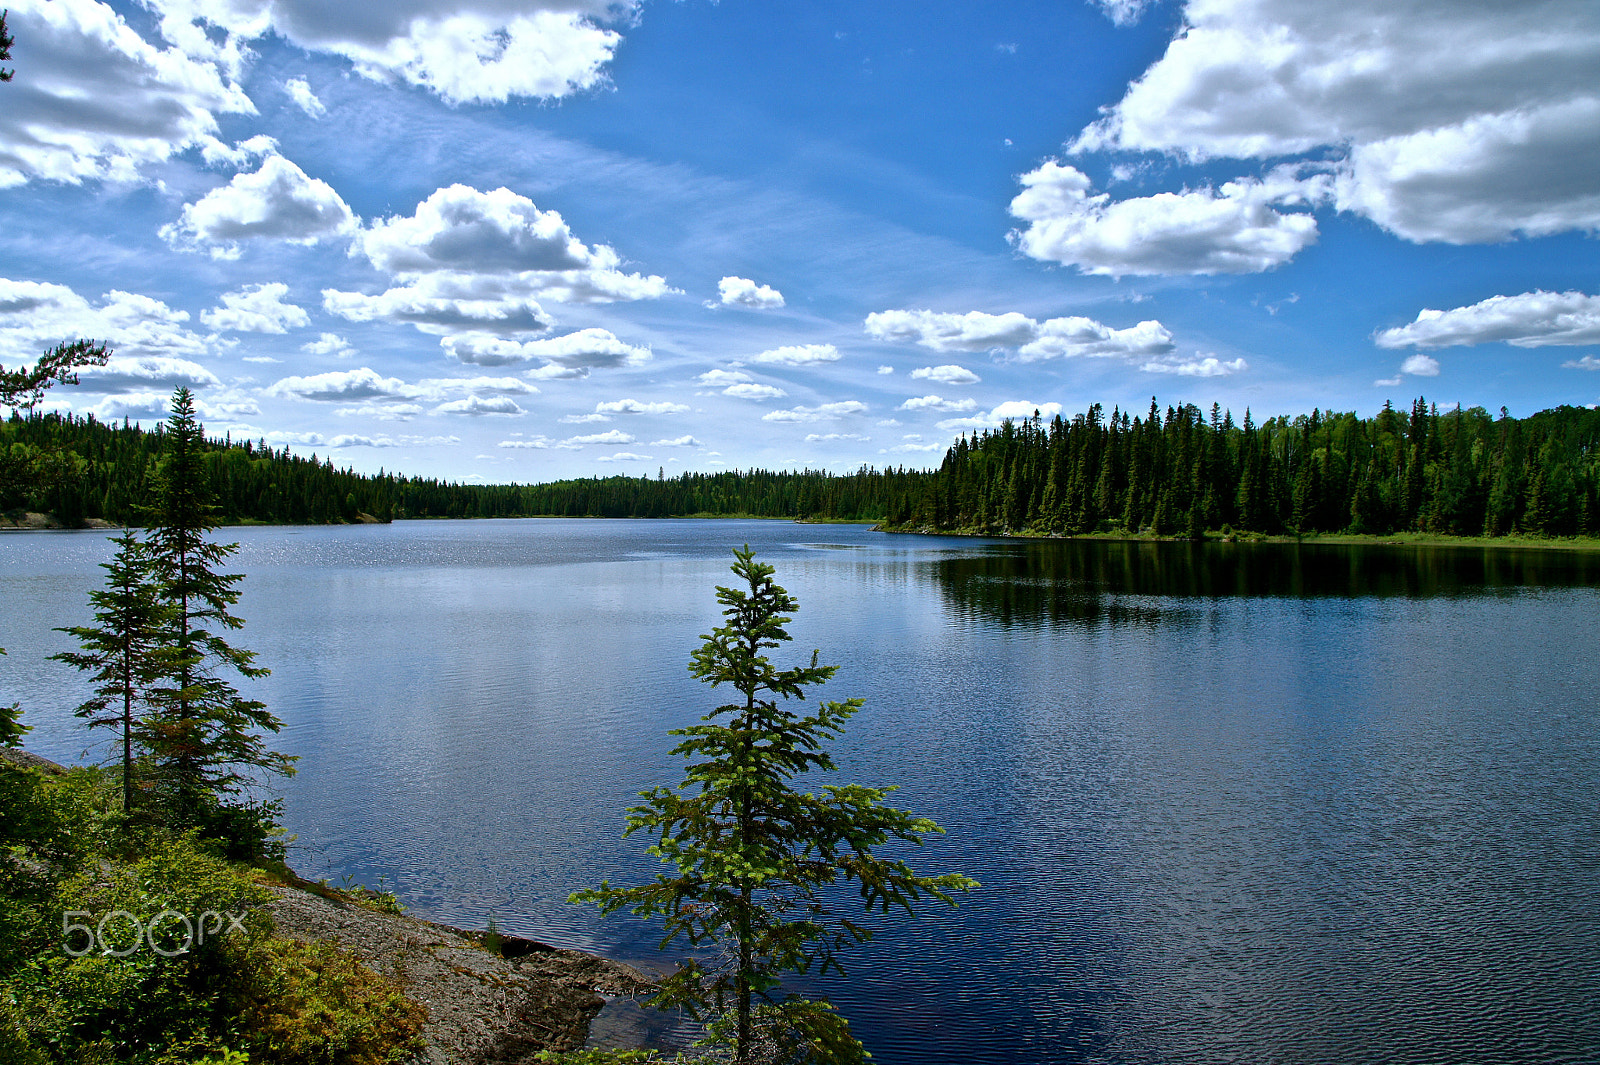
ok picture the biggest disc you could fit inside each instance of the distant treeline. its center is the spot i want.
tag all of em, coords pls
(1181, 472)
(78, 468)
(1185, 472)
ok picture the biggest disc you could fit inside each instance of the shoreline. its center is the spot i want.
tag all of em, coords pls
(1402, 539)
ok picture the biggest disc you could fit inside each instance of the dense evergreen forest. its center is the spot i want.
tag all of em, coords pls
(1184, 472)
(78, 468)
(1178, 472)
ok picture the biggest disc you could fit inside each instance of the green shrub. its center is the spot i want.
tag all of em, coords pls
(313, 1004)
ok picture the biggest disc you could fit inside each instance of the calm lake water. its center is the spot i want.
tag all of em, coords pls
(1231, 803)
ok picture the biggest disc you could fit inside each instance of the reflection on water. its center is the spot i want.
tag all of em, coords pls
(1252, 803)
(1127, 582)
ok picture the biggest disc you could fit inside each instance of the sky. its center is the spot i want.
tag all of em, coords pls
(518, 240)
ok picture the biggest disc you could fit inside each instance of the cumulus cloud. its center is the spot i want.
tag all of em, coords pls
(624, 456)
(936, 403)
(328, 344)
(799, 355)
(1033, 340)
(472, 51)
(299, 91)
(754, 391)
(1012, 410)
(677, 441)
(1588, 362)
(1122, 12)
(633, 406)
(36, 315)
(444, 305)
(723, 378)
(1444, 122)
(821, 438)
(98, 102)
(742, 292)
(1531, 320)
(974, 331)
(1199, 366)
(340, 386)
(1420, 365)
(948, 374)
(1234, 230)
(573, 355)
(277, 202)
(475, 406)
(611, 436)
(256, 309)
(826, 412)
(144, 372)
(471, 261)
(909, 448)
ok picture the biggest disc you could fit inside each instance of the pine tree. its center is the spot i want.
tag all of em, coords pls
(750, 853)
(123, 651)
(204, 736)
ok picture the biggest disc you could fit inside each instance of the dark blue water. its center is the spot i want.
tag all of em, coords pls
(1236, 803)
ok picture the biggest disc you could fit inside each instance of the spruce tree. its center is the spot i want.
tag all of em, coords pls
(123, 649)
(204, 737)
(751, 855)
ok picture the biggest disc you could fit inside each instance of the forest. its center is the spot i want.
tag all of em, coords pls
(1178, 472)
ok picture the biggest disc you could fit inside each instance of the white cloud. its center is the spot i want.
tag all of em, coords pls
(473, 51)
(299, 91)
(1588, 362)
(1387, 382)
(583, 419)
(1531, 320)
(722, 378)
(826, 412)
(443, 305)
(328, 344)
(1446, 122)
(471, 261)
(256, 309)
(480, 405)
(885, 370)
(611, 436)
(1122, 12)
(578, 352)
(1421, 366)
(819, 438)
(938, 404)
(1199, 366)
(1087, 338)
(948, 374)
(1051, 339)
(624, 456)
(381, 440)
(974, 331)
(341, 386)
(677, 441)
(142, 372)
(539, 443)
(36, 315)
(97, 101)
(1014, 410)
(907, 449)
(633, 406)
(1196, 231)
(266, 360)
(277, 202)
(752, 391)
(742, 292)
(799, 355)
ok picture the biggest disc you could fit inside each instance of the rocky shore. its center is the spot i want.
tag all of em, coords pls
(483, 1008)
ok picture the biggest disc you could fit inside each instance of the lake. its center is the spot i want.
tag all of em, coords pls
(1228, 802)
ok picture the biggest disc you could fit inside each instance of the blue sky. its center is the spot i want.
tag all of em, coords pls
(514, 240)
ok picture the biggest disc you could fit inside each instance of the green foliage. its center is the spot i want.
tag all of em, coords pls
(203, 737)
(751, 856)
(596, 1056)
(25, 386)
(1458, 473)
(310, 1004)
(123, 651)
